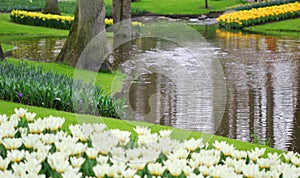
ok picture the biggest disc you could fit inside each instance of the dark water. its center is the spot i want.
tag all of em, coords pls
(170, 86)
(38, 49)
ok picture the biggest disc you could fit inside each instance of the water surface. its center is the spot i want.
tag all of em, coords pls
(170, 86)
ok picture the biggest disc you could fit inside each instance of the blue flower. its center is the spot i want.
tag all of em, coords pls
(19, 95)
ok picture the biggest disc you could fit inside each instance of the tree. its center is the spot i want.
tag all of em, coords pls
(1, 53)
(87, 25)
(121, 13)
(51, 7)
(206, 4)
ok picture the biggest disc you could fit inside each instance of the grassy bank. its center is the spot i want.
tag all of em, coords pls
(10, 28)
(6, 47)
(182, 7)
(8, 108)
(292, 25)
(287, 27)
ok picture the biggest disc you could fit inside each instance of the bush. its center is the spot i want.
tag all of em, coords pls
(9, 5)
(30, 85)
(261, 4)
(66, 7)
(245, 18)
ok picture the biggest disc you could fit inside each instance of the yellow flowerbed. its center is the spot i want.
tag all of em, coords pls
(50, 20)
(241, 19)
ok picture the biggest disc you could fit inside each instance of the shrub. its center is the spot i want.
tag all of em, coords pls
(9, 5)
(66, 7)
(30, 85)
(261, 4)
(245, 18)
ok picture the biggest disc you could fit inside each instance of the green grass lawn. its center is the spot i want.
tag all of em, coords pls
(71, 118)
(6, 47)
(182, 6)
(9, 28)
(287, 27)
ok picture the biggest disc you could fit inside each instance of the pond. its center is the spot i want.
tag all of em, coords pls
(262, 75)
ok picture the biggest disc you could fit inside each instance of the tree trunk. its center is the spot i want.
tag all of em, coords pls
(1, 53)
(123, 31)
(122, 19)
(206, 4)
(51, 7)
(85, 46)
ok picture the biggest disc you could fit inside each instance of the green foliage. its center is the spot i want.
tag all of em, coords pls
(65, 7)
(31, 85)
(258, 140)
(9, 5)
(261, 4)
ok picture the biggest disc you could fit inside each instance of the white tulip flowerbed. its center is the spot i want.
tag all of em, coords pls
(39, 148)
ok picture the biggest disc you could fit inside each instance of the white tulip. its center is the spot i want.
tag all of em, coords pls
(58, 161)
(192, 144)
(289, 155)
(140, 130)
(92, 153)
(101, 170)
(15, 155)
(77, 162)
(99, 128)
(250, 170)
(30, 116)
(12, 143)
(7, 130)
(165, 133)
(4, 163)
(102, 159)
(296, 161)
(128, 173)
(122, 136)
(156, 169)
(3, 119)
(20, 112)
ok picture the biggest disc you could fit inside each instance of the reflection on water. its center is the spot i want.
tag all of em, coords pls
(168, 85)
(262, 76)
(38, 49)
(147, 99)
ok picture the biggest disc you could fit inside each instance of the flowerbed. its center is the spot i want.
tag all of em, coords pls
(50, 20)
(40, 19)
(245, 18)
(32, 147)
(260, 4)
(30, 85)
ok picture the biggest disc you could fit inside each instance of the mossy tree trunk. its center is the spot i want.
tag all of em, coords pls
(51, 7)
(88, 23)
(1, 53)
